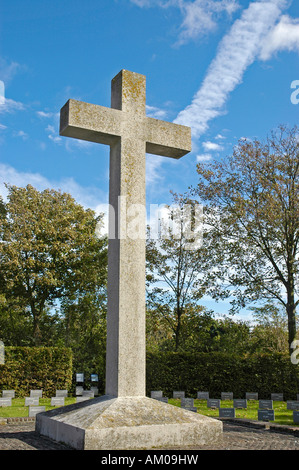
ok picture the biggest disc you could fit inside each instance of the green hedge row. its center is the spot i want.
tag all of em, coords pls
(27, 368)
(51, 368)
(219, 372)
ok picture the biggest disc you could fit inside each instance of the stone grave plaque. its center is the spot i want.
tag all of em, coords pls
(57, 401)
(296, 417)
(34, 410)
(187, 402)
(79, 377)
(94, 377)
(266, 415)
(265, 404)
(227, 413)
(240, 403)
(178, 394)
(156, 394)
(79, 390)
(292, 405)
(163, 399)
(8, 393)
(252, 396)
(88, 393)
(80, 398)
(202, 395)
(227, 396)
(36, 393)
(277, 396)
(5, 401)
(95, 391)
(213, 403)
(31, 401)
(61, 393)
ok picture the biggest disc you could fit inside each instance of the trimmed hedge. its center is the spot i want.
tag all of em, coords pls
(220, 372)
(28, 368)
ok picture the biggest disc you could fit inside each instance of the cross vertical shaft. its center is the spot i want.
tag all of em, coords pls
(125, 365)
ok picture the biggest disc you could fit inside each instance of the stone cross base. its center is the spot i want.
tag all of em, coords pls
(126, 423)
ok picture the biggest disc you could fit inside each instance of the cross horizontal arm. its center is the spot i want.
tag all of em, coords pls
(90, 122)
(167, 139)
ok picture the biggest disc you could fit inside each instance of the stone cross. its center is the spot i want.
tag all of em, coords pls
(130, 134)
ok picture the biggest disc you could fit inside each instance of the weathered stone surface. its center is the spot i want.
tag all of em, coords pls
(126, 423)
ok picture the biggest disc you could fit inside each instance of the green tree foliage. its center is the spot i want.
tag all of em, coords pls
(49, 252)
(251, 202)
(174, 278)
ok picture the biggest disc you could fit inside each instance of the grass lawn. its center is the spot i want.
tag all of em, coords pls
(282, 415)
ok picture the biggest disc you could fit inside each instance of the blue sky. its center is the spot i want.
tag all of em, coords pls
(223, 67)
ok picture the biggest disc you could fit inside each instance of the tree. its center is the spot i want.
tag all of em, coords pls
(174, 265)
(251, 204)
(49, 251)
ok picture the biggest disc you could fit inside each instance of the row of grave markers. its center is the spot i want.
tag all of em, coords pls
(33, 400)
(265, 411)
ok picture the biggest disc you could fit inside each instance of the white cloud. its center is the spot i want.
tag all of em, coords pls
(8, 70)
(284, 36)
(212, 146)
(204, 157)
(236, 52)
(47, 115)
(10, 106)
(52, 134)
(201, 16)
(21, 134)
(154, 112)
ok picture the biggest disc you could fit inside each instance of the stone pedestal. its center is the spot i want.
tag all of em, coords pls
(108, 423)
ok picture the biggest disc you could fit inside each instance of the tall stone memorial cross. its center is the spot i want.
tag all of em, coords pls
(130, 134)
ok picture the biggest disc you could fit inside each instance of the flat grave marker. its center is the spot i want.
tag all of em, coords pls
(296, 417)
(227, 413)
(227, 396)
(5, 401)
(79, 390)
(265, 404)
(80, 398)
(213, 403)
(252, 396)
(34, 410)
(277, 396)
(31, 401)
(57, 401)
(156, 394)
(36, 393)
(240, 403)
(187, 402)
(163, 399)
(292, 405)
(266, 415)
(8, 394)
(88, 393)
